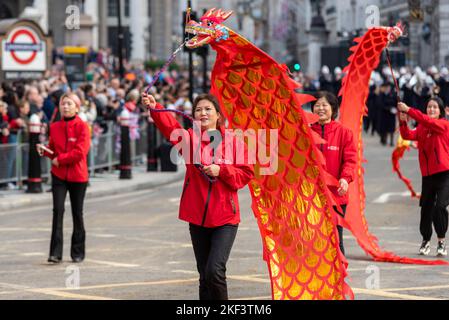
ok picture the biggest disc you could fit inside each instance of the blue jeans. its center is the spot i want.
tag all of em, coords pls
(11, 157)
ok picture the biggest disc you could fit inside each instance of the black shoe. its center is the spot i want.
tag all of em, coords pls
(77, 260)
(53, 259)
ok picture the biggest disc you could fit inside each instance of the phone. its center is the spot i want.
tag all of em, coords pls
(46, 149)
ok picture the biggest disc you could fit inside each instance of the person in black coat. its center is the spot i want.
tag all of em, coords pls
(387, 113)
(370, 121)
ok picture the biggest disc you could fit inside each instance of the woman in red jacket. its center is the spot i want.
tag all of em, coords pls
(432, 134)
(69, 145)
(209, 201)
(339, 150)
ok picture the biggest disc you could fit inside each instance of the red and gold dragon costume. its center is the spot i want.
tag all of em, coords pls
(355, 87)
(293, 207)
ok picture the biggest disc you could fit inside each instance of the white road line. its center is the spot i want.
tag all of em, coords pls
(184, 271)
(385, 294)
(33, 254)
(418, 288)
(384, 198)
(24, 241)
(113, 264)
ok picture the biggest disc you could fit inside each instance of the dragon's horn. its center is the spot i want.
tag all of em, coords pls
(209, 13)
(225, 15)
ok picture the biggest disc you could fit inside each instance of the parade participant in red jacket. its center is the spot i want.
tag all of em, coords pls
(68, 148)
(432, 134)
(211, 207)
(339, 150)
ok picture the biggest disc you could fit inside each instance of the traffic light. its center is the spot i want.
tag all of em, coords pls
(294, 65)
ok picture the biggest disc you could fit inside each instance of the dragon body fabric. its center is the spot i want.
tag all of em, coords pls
(355, 87)
(293, 206)
(398, 153)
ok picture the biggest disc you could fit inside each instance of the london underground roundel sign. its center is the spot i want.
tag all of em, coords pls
(23, 50)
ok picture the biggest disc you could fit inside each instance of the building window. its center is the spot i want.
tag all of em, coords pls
(127, 9)
(112, 8)
(79, 4)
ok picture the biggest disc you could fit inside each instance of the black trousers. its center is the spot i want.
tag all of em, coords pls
(434, 201)
(212, 247)
(77, 191)
(340, 228)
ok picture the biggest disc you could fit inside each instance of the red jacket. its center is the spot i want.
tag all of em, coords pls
(340, 153)
(433, 139)
(204, 203)
(70, 142)
(4, 119)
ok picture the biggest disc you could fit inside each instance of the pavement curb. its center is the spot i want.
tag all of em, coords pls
(23, 200)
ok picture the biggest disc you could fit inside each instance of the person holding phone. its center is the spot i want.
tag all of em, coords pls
(68, 147)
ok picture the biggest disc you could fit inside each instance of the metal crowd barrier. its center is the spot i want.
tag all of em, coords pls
(103, 155)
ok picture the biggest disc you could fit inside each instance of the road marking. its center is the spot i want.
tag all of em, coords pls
(128, 284)
(385, 197)
(98, 235)
(24, 241)
(68, 294)
(418, 288)
(184, 271)
(33, 254)
(385, 294)
(249, 278)
(113, 264)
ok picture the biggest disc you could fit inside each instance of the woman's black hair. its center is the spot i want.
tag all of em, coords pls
(332, 99)
(441, 106)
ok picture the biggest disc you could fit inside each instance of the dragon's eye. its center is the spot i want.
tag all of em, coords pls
(210, 23)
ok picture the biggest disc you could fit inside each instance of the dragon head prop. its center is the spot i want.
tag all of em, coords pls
(210, 28)
(394, 33)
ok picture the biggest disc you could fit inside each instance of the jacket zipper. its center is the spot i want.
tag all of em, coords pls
(322, 136)
(427, 161)
(233, 205)
(66, 147)
(185, 187)
(436, 156)
(207, 204)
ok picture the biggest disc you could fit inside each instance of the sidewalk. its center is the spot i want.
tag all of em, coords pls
(104, 184)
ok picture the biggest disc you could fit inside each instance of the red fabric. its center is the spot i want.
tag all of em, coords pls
(433, 139)
(397, 155)
(340, 154)
(354, 92)
(4, 139)
(204, 203)
(293, 206)
(70, 142)
(13, 125)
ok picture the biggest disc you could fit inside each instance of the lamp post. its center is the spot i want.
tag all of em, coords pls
(120, 39)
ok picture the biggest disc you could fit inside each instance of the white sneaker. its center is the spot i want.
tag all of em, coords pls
(425, 248)
(441, 249)
(11, 186)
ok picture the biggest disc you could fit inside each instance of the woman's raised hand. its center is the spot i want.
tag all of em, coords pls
(148, 100)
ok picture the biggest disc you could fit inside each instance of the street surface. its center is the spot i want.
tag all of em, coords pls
(138, 249)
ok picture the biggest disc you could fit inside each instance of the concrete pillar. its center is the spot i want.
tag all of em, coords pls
(91, 8)
(444, 32)
(317, 39)
(42, 7)
(138, 28)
